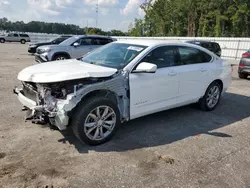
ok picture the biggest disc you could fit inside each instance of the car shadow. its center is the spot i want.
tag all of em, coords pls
(170, 126)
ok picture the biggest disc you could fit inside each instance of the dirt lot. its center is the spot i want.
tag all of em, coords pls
(184, 147)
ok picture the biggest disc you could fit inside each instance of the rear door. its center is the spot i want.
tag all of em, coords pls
(194, 68)
(15, 38)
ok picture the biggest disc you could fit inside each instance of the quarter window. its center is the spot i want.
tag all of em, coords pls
(162, 57)
(188, 55)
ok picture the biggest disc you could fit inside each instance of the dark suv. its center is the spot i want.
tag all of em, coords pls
(244, 66)
(32, 47)
(211, 46)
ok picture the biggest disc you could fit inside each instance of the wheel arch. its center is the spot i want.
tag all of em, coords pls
(100, 93)
(60, 53)
(219, 81)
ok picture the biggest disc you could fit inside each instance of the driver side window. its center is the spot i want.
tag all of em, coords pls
(164, 56)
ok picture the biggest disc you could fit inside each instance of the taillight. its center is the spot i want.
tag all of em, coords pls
(246, 54)
(241, 65)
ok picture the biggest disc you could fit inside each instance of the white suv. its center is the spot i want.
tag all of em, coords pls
(15, 37)
(119, 82)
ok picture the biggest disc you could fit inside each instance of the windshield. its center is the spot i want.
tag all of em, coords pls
(50, 40)
(114, 55)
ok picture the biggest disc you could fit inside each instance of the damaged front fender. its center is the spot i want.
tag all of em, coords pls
(118, 85)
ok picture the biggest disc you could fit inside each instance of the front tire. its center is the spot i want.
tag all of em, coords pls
(60, 57)
(95, 120)
(211, 98)
(243, 76)
(2, 40)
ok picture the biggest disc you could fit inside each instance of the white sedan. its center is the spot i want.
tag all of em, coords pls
(119, 82)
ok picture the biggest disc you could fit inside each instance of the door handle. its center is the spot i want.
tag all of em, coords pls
(172, 74)
(203, 70)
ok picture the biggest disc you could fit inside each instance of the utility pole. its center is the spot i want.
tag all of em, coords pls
(97, 11)
(87, 28)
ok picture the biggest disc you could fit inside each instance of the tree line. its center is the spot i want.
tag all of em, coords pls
(202, 18)
(57, 28)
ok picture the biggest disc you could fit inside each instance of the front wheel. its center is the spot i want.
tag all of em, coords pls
(2, 40)
(60, 57)
(211, 98)
(96, 120)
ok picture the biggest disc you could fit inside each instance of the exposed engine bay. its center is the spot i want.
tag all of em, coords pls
(55, 101)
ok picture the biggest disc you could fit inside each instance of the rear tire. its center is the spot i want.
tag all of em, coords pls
(23, 41)
(90, 116)
(243, 76)
(211, 98)
(60, 57)
(2, 40)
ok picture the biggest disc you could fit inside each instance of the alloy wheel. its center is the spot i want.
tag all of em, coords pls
(99, 123)
(213, 96)
(60, 58)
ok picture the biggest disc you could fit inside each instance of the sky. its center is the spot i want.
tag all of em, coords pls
(113, 14)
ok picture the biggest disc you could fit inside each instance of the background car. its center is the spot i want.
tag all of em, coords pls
(15, 37)
(244, 66)
(212, 46)
(33, 46)
(73, 47)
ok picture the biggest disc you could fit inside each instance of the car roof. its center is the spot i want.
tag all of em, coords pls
(155, 43)
(199, 41)
(65, 36)
(151, 42)
(100, 36)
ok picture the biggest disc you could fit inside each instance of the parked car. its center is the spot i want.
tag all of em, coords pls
(15, 37)
(119, 82)
(244, 66)
(73, 47)
(33, 46)
(212, 46)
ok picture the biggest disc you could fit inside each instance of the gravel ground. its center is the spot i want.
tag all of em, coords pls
(183, 147)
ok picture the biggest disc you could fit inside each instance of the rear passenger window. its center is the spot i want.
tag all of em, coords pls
(15, 35)
(216, 46)
(188, 55)
(85, 41)
(100, 41)
(24, 35)
(162, 57)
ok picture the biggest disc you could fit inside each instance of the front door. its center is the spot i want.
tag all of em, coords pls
(84, 47)
(153, 92)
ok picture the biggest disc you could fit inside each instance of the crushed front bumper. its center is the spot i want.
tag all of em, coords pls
(39, 114)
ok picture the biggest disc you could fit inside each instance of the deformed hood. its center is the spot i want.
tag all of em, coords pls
(57, 71)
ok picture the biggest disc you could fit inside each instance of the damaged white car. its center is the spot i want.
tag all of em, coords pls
(119, 82)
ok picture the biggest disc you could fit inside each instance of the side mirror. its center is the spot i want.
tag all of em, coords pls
(145, 68)
(76, 44)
